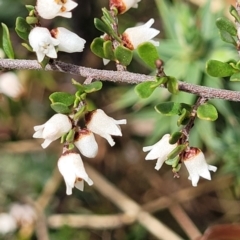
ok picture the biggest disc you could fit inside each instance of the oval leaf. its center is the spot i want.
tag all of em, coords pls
(60, 108)
(22, 28)
(207, 112)
(226, 25)
(219, 69)
(62, 97)
(175, 137)
(92, 87)
(145, 89)
(172, 85)
(6, 42)
(148, 53)
(108, 50)
(235, 77)
(176, 151)
(101, 26)
(123, 55)
(97, 47)
(172, 108)
(227, 37)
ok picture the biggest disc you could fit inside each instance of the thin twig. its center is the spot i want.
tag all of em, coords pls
(118, 76)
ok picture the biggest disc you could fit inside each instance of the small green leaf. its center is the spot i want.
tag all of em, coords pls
(184, 117)
(70, 135)
(145, 89)
(6, 42)
(219, 69)
(172, 85)
(101, 26)
(78, 85)
(148, 53)
(123, 55)
(172, 108)
(93, 87)
(175, 137)
(22, 28)
(176, 151)
(62, 97)
(28, 47)
(172, 161)
(225, 24)
(234, 13)
(60, 108)
(30, 8)
(207, 112)
(79, 113)
(31, 20)
(227, 37)
(108, 50)
(235, 77)
(97, 47)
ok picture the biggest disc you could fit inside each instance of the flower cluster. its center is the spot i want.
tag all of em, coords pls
(70, 164)
(193, 159)
(47, 43)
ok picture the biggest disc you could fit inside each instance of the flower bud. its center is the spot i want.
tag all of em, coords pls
(160, 150)
(137, 35)
(72, 169)
(124, 5)
(49, 9)
(53, 129)
(99, 123)
(196, 165)
(7, 223)
(86, 143)
(10, 85)
(68, 41)
(43, 43)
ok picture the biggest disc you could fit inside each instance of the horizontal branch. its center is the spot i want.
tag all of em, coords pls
(118, 76)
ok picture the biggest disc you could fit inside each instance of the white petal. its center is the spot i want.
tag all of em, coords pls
(46, 143)
(68, 41)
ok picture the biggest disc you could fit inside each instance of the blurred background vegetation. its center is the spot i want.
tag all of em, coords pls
(188, 39)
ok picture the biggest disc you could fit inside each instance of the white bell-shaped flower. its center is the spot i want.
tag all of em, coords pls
(100, 123)
(43, 43)
(85, 142)
(72, 169)
(124, 5)
(10, 85)
(53, 129)
(160, 150)
(49, 9)
(7, 223)
(197, 166)
(137, 35)
(68, 41)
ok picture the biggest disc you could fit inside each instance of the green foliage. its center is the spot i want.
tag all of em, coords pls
(207, 112)
(108, 50)
(22, 28)
(172, 85)
(62, 97)
(60, 108)
(6, 42)
(175, 137)
(148, 53)
(123, 55)
(172, 108)
(97, 47)
(175, 152)
(226, 25)
(219, 69)
(145, 89)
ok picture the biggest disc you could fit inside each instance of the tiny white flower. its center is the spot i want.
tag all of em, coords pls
(197, 166)
(7, 223)
(160, 150)
(137, 35)
(86, 143)
(124, 5)
(10, 85)
(49, 9)
(72, 169)
(99, 123)
(43, 43)
(68, 41)
(53, 129)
